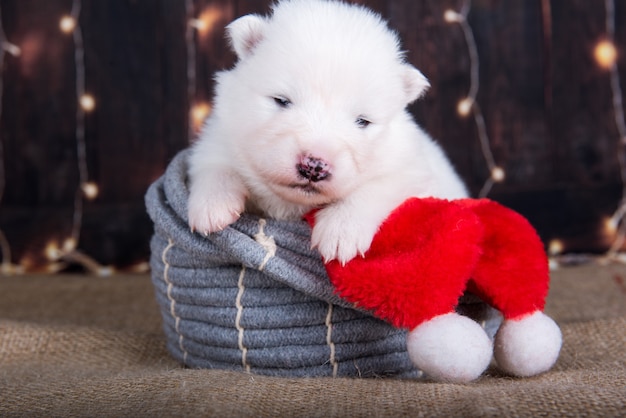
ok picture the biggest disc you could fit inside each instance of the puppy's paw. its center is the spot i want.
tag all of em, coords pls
(213, 212)
(340, 235)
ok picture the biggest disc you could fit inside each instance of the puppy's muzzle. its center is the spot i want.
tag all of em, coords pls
(313, 169)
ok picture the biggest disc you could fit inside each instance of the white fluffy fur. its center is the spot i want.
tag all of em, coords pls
(335, 63)
(529, 345)
(451, 348)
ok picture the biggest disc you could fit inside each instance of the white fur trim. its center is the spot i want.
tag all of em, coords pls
(450, 348)
(528, 346)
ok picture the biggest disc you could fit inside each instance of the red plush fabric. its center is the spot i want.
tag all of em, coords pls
(425, 253)
(512, 275)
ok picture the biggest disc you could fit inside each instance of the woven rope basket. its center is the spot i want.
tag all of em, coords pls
(256, 298)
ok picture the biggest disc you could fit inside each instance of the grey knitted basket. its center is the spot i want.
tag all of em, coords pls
(256, 298)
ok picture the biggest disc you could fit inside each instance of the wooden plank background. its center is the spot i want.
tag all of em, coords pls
(547, 107)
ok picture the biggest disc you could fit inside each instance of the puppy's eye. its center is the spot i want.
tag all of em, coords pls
(362, 122)
(282, 101)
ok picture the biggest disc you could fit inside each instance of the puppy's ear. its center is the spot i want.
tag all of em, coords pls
(245, 33)
(415, 84)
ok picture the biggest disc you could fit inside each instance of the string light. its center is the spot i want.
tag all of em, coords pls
(6, 267)
(199, 26)
(604, 53)
(199, 113)
(451, 16)
(69, 245)
(606, 56)
(90, 190)
(59, 257)
(497, 174)
(609, 227)
(613, 227)
(556, 247)
(86, 189)
(67, 24)
(468, 104)
(83, 102)
(465, 106)
(209, 17)
(52, 251)
(87, 102)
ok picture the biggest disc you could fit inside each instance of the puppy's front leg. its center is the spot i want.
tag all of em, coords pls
(217, 197)
(346, 229)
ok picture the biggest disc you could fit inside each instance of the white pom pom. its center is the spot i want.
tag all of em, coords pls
(450, 348)
(528, 346)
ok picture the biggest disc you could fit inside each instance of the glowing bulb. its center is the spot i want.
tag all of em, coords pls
(465, 106)
(605, 54)
(497, 174)
(67, 24)
(555, 247)
(52, 251)
(198, 24)
(451, 16)
(90, 189)
(87, 102)
(199, 112)
(207, 20)
(69, 245)
(609, 225)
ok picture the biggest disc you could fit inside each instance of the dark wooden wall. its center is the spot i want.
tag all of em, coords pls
(547, 107)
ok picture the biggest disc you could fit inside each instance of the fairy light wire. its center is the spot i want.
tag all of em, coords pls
(12, 49)
(68, 251)
(618, 111)
(469, 104)
(81, 154)
(450, 16)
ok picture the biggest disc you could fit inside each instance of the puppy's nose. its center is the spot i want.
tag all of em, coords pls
(314, 169)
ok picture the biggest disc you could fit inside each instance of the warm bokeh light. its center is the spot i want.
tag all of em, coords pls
(609, 226)
(451, 16)
(198, 24)
(52, 251)
(87, 102)
(199, 113)
(90, 190)
(497, 174)
(67, 24)
(556, 247)
(69, 245)
(207, 19)
(465, 106)
(605, 54)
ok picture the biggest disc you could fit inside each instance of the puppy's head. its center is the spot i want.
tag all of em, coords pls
(313, 99)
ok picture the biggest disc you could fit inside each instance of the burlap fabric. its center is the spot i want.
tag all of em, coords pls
(256, 297)
(78, 346)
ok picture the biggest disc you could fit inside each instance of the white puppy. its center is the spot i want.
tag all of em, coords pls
(313, 116)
